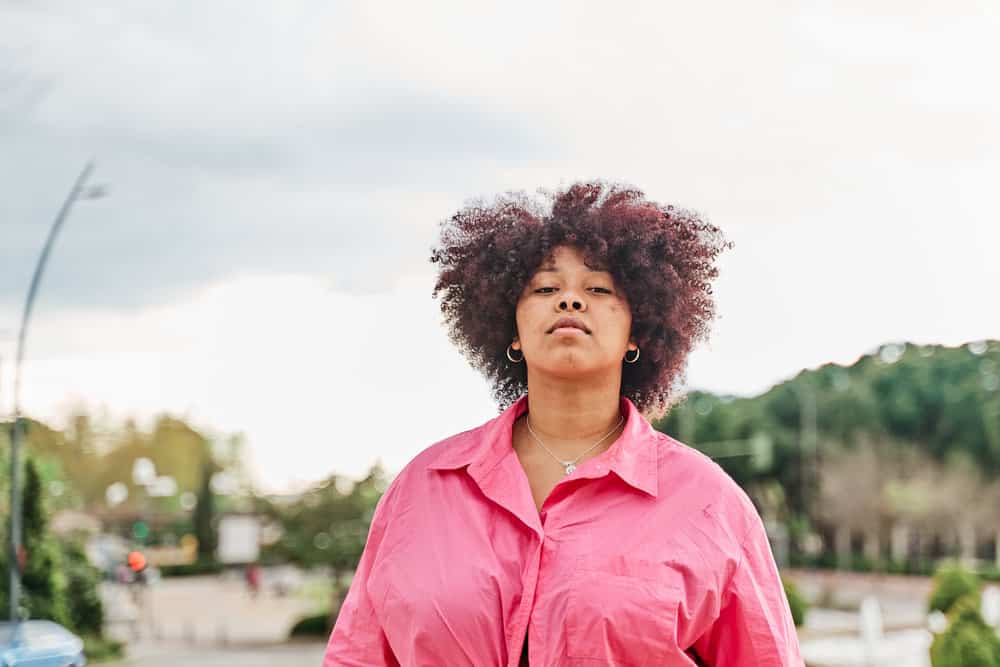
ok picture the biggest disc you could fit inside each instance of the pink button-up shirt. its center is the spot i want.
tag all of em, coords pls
(648, 554)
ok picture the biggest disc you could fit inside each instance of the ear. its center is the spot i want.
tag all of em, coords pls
(632, 346)
(516, 344)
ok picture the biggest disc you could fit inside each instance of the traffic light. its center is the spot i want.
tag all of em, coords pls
(136, 561)
(140, 530)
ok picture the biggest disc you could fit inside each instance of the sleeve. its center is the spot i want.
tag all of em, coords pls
(357, 639)
(754, 626)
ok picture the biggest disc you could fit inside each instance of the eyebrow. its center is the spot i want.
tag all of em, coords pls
(552, 269)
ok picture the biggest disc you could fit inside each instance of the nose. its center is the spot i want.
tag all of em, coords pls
(569, 303)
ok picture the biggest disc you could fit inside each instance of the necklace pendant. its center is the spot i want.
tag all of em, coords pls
(570, 468)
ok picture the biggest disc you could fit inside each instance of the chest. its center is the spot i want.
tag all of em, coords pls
(542, 472)
(542, 479)
(613, 575)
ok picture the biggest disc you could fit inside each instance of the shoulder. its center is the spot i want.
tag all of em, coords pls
(705, 486)
(423, 477)
(451, 453)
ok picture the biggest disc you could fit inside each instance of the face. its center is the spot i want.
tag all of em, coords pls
(572, 320)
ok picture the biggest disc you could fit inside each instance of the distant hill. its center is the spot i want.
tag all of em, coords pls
(942, 401)
(87, 458)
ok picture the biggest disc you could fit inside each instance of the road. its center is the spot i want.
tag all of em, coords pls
(210, 621)
(202, 610)
(171, 655)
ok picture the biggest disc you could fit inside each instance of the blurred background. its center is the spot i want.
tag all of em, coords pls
(234, 349)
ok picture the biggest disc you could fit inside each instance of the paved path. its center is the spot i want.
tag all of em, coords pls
(201, 610)
(836, 597)
(831, 636)
(212, 621)
(207, 621)
(171, 655)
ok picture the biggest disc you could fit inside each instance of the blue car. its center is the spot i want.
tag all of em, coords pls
(39, 644)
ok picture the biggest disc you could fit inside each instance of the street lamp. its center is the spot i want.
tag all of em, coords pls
(80, 191)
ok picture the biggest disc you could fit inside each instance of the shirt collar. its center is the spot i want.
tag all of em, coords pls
(633, 457)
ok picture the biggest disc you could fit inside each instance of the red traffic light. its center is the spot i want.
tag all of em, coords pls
(136, 561)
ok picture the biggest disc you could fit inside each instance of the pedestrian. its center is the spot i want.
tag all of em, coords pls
(252, 576)
(567, 531)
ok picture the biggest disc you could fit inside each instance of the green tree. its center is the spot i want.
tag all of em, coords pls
(968, 641)
(328, 526)
(83, 600)
(939, 403)
(798, 604)
(43, 580)
(204, 515)
(951, 584)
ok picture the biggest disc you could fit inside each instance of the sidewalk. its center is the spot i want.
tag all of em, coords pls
(296, 654)
(201, 610)
(831, 635)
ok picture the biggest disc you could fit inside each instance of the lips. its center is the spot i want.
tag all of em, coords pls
(569, 322)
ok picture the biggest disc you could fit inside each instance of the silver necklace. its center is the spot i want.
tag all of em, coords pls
(570, 466)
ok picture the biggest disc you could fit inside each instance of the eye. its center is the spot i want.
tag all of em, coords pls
(545, 290)
(601, 290)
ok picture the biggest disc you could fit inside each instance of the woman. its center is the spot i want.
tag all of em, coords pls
(567, 531)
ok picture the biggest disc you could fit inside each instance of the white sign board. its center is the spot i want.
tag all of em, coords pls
(239, 539)
(991, 606)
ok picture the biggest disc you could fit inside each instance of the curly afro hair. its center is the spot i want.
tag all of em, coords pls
(662, 257)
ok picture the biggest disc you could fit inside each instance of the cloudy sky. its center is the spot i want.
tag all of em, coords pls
(278, 171)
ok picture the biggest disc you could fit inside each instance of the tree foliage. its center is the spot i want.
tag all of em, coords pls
(83, 601)
(43, 579)
(968, 641)
(951, 584)
(204, 515)
(913, 423)
(796, 602)
(328, 525)
(57, 583)
(92, 453)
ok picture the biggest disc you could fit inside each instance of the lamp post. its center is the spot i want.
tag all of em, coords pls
(79, 191)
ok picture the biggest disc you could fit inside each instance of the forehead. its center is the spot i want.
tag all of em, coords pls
(568, 258)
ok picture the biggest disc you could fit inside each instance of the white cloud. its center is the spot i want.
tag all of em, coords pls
(850, 151)
(319, 381)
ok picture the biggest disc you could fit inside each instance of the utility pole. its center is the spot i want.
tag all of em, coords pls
(79, 191)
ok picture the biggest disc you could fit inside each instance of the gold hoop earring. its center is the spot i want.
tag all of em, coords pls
(511, 357)
(633, 359)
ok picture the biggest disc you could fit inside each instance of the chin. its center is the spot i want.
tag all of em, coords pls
(570, 364)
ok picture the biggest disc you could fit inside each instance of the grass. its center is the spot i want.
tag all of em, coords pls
(98, 649)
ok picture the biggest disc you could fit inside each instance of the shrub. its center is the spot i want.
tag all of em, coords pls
(796, 602)
(862, 564)
(312, 626)
(43, 581)
(968, 641)
(989, 573)
(58, 582)
(952, 582)
(102, 650)
(83, 599)
(197, 568)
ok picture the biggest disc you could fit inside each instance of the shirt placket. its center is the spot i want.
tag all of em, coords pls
(505, 485)
(543, 556)
(519, 627)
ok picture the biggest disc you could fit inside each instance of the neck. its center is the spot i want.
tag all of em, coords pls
(570, 416)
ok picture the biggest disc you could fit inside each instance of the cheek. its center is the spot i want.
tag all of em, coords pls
(620, 318)
(522, 320)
